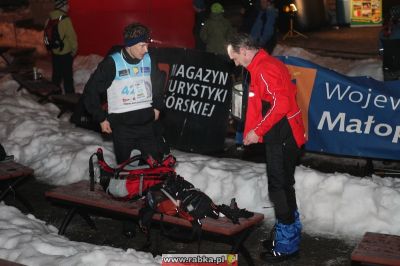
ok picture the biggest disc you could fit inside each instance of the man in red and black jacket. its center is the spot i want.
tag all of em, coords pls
(274, 118)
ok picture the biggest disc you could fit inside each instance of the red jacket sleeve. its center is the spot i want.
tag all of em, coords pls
(272, 89)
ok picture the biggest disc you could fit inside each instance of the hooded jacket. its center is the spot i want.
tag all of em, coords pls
(67, 34)
(215, 32)
(271, 84)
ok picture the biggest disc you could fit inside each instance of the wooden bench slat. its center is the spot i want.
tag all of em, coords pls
(12, 169)
(378, 248)
(9, 263)
(11, 175)
(71, 99)
(40, 87)
(79, 194)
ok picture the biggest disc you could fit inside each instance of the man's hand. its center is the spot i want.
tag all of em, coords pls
(105, 127)
(251, 138)
(156, 114)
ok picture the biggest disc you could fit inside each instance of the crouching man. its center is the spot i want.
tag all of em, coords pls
(134, 94)
(130, 79)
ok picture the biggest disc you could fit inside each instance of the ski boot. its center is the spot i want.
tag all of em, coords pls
(269, 243)
(285, 244)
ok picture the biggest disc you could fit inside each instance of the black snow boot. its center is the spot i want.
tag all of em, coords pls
(274, 256)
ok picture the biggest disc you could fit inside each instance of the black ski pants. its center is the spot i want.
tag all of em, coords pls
(281, 159)
(127, 138)
(62, 71)
(130, 137)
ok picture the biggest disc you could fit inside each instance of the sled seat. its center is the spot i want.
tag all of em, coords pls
(377, 249)
(11, 175)
(81, 200)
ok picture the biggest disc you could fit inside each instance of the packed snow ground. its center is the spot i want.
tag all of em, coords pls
(338, 205)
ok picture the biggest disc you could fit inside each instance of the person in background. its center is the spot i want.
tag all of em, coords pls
(200, 15)
(216, 30)
(264, 30)
(249, 11)
(390, 51)
(274, 118)
(391, 27)
(62, 58)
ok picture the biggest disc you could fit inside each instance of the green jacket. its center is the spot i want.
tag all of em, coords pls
(67, 34)
(215, 32)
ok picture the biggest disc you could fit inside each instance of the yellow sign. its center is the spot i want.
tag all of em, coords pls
(366, 12)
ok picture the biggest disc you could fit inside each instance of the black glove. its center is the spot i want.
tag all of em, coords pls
(233, 212)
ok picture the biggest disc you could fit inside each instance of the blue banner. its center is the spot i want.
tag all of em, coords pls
(354, 116)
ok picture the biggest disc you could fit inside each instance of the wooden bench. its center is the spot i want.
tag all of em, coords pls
(40, 87)
(17, 59)
(12, 174)
(9, 263)
(66, 102)
(81, 200)
(5, 66)
(377, 249)
(3, 50)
